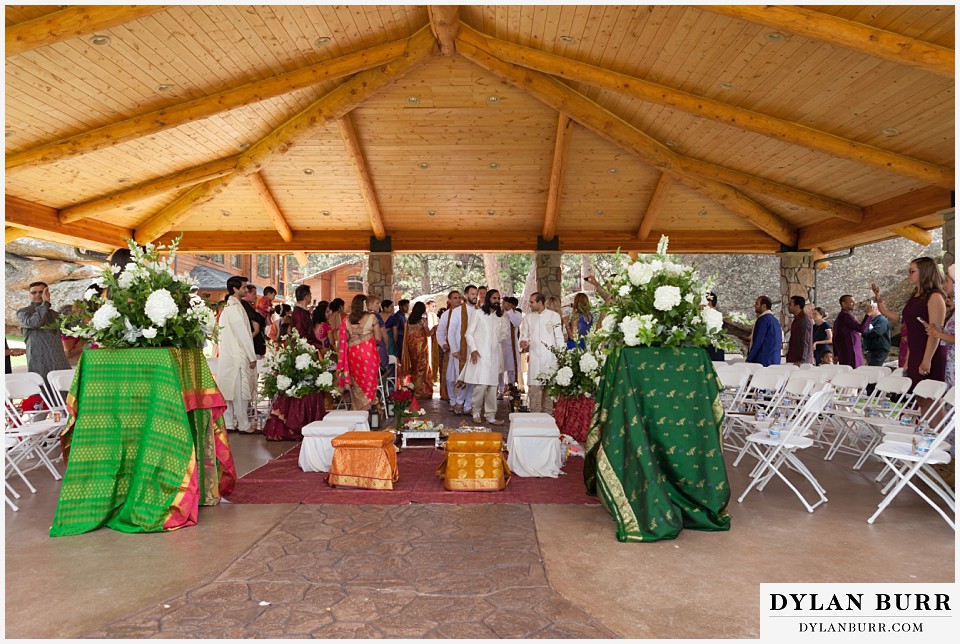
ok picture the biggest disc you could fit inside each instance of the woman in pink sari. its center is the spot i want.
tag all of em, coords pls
(358, 361)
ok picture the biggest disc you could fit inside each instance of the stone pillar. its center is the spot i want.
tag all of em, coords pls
(797, 277)
(949, 250)
(380, 275)
(549, 267)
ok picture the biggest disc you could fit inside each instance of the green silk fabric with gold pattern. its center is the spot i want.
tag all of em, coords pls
(654, 451)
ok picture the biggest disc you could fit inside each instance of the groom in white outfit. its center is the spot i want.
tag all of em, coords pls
(236, 365)
(460, 394)
(487, 330)
(541, 329)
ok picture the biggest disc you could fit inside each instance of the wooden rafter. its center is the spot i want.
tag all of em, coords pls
(655, 206)
(170, 183)
(899, 211)
(328, 108)
(367, 191)
(914, 233)
(271, 206)
(44, 222)
(846, 33)
(301, 258)
(726, 175)
(445, 24)
(562, 144)
(207, 106)
(616, 130)
(72, 23)
(780, 129)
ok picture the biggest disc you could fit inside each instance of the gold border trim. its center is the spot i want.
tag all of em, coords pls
(613, 487)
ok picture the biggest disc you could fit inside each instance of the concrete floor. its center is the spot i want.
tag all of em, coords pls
(700, 585)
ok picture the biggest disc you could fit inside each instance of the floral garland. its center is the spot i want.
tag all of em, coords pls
(577, 372)
(144, 305)
(657, 301)
(295, 369)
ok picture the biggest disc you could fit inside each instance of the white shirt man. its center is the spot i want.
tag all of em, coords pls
(460, 396)
(443, 324)
(484, 367)
(511, 345)
(237, 363)
(541, 329)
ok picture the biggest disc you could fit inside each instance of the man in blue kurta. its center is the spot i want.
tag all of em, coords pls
(767, 337)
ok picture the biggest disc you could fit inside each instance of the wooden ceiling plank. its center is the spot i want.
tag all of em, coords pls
(846, 33)
(270, 204)
(367, 191)
(562, 145)
(72, 22)
(445, 25)
(148, 189)
(12, 234)
(714, 110)
(621, 133)
(914, 234)
(654, 207)
(189, 111)
(43, 219)
(327, 108)
(900, 211)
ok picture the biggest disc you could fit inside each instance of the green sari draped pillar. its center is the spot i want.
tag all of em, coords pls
(654, 452)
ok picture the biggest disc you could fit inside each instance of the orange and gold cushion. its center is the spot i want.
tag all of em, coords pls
(364, 459)
(474, 462)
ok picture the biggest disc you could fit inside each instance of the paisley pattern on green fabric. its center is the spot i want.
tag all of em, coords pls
(654, 452)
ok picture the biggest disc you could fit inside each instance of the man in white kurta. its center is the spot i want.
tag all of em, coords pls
(443, 327)
(237, 363)
(487, 330)
(541, 329)
(510, 346)
(460, 393)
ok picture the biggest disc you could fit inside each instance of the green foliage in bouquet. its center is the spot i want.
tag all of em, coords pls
(658, 302)
(295, 369)
(144, 305)
(577, 373)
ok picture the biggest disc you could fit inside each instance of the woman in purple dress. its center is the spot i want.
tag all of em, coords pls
(926, 358)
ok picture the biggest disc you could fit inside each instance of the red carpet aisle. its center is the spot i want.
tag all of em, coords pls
(282, 481)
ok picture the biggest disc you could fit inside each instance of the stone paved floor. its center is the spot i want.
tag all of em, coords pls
(415, 571)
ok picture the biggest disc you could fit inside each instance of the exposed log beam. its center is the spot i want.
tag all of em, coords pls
(271, 206)
(780, 129)
(562, 144)
(170, 183)
(301, 258)
(43, 222)
(914, 234)
(422, 241)
(653, 209)
(899, 211)
(177, 115)
(846, 33)
(329, 107)
(367, 191)
(71, 23)
(445, 25)
(12, 234)
(616, 130)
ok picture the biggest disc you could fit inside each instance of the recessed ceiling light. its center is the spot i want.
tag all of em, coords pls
(100, 40)
(413, 99)
(568, 40)
(325, 213)
(491, 212)
(321, 41)
(164, 87)
(225, 213)
(9, 133)
(891, 131)
(123, 180)
(793, 208)
(424, 165)
(600, 213)
(129, 207)
(432, 213)
(308, 171)
(776, 36)
(671, 144)
(728, 86)
(703, 212)
(793, 179)
(494, 165)
(612, 171)
(244, 145)
(493, 99)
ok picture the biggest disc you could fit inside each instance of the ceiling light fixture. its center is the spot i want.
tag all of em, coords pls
(671, 144)
(776, 36)
(432, 213)
(600, 213)
(890, 131)
(100, 40)
(413, 99)
(225, 213)
(129, 207)
(568, 40)
(494, 165)
(493, 99)
(728, 86)
(244, 145)
(321, 41)
(325, 213)
(703, 212)
(308, 171)
(123, 180)
(164, 87)
(612, 171)
(491, 212)
(424, 165)
(793, 208)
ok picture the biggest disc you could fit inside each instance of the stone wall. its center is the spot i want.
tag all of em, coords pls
(549, 266)
(949, 230)
(380, 275)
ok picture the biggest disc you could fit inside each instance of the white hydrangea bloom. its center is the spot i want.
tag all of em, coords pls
(713, 319)
(104, 316)
(127, 278)
(564, 376)
(325, 379)
(302, 362)
(283, 382)
(673, 269)
(624, 290)
(149, 333)
(609, 323)
(640, 273)
(588, 363)
(631, 330)
(160, 307)
(656, 265)
(666, 298)
(89, 294)
(646, 321)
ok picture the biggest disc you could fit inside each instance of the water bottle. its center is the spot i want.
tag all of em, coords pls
(760, 416)
(778, 427)
(922, 440)
(906, 421)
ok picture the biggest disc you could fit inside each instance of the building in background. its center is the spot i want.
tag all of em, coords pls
(342, 280)
(212, 271)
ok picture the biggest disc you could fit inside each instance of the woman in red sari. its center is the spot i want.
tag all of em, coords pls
(414, 361)
(358, 361)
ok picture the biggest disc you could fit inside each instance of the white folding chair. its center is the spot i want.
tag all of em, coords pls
(6, 495)
(905, 464)
(774, 452)
(830, 370)
(846, 406)
(761, 393)
(863, 437)
(793, 398)
(20, 386)
(60, 381)
(806, 366)
(23, 441)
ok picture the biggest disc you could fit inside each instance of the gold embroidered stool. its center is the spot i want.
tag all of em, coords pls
(364, 459)
(474, 461)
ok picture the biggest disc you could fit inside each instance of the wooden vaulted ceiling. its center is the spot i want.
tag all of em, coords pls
(315, 128)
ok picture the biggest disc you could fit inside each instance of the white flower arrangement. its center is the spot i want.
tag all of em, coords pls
(577, 373)
(657, 301)
(294, 369)
(418, 425)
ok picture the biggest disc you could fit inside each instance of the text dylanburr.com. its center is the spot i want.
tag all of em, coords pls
(843, 612)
